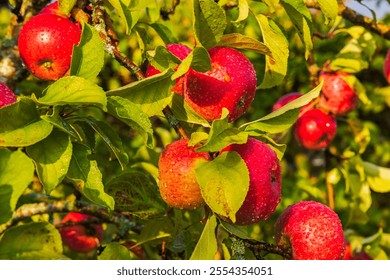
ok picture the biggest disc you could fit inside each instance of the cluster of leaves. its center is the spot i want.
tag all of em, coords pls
(95, 136)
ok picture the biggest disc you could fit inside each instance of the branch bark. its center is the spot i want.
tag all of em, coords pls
(370, 24)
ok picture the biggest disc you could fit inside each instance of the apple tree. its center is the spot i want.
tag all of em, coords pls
(202, 129)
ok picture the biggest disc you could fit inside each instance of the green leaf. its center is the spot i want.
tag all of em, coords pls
(222, 134)
(66, 5)
(57, 121)
(16, 173)
(378, 177)
(224, 183)
(33, 241)
(198, 60)
(276, 65)
(209, 22)
(165, 33)
(88, 56)
(130, 114)
(74, 91)
(152, 94)
(184, 112)
(283, 118)
(207, 246)
(162, 59)
(136, 192)
(239, 231)
(87, 177)
(301, 18)
(358, 52)
(21, 125)
(52, 158)
(110, 138)
(240, 41)
(279, 149)
(329, 8)
(127, 12)
(243, 11)
(272, 4)
(155, 231)
(116, 251)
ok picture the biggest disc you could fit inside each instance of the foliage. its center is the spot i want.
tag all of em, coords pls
(90, 141)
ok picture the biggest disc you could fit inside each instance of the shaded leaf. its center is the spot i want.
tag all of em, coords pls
(240, 41)
(87, 177)
(33, 241)
(206, 248)
(16, 173)
(52, 158)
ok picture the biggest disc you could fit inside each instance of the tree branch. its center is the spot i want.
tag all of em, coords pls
(370, 24)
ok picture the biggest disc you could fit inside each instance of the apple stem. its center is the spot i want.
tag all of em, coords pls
(258, 246)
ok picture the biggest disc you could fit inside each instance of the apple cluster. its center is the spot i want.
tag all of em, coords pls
(316, 126)
(46, 43)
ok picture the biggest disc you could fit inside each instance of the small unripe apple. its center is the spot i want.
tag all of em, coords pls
(81, 238)
(181, 52)
(312, 229)
(230, 84)
(177, 182)
(386, 67)
(7, 96)
(264, 191)
(337, 96)
(46, 43)
(315, 129)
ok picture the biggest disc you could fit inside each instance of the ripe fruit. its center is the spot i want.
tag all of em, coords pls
(315, 129)
(231, 83)
(46, 43)
(81, 238)
(179, 50)
(264, 181)
(386, 67)
(337, 96)
(53, 8)
(178, 185)
(313, 231)
(7, 96)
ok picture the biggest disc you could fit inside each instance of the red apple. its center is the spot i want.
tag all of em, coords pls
(337, 96)
(386, 67)
(315, 129)
(81, 238)
(53, 8)
(231, 84)
(7, 96)
(181, 52)
(46, 43)
(177, 182)
(312, 229)
(264, 191)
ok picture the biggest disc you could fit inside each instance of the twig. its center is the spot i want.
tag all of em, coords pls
(368, 23)
(29, 210)
(258, 246)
